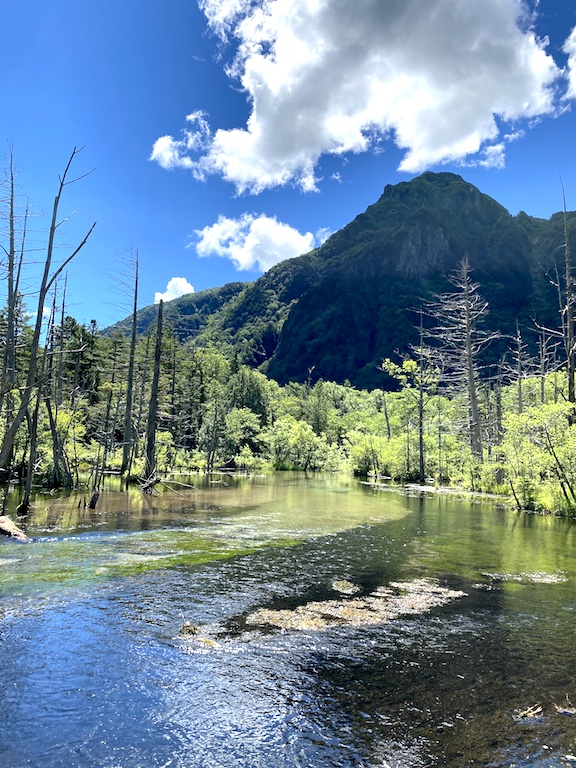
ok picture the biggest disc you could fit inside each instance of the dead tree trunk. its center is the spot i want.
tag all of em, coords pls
(569, 308)
(46, 283)
(153, 411)
(458, 315)
(128, 426)
(32, 455)
(139, 420)
(8, 375)
(9, 528)
(9, 364)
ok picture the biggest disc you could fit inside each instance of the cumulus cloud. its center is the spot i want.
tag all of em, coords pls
(171, 153)
(255, 242)
(46, 312)
(177, 286)
(570, 49)
(493, 156)
(437, 77)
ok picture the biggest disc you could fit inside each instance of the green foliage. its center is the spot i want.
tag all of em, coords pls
(214, 414)
(311, 326)
(292, 444)
(539, 449)
(243, 430)
(248, 390)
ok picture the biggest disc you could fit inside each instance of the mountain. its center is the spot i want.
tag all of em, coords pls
(343, 307)
(189, 314)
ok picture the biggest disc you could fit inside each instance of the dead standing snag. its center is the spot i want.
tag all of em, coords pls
(45, 285)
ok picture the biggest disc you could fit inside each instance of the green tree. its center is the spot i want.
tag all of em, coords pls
(419, 379)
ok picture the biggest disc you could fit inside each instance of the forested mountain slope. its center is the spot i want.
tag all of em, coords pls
(345, 306)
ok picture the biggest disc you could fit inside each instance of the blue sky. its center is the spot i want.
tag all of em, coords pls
(226, 135)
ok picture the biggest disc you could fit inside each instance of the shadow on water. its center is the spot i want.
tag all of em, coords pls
(95, 672)
(449, 690)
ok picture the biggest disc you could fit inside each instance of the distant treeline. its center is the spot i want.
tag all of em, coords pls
(213, 413)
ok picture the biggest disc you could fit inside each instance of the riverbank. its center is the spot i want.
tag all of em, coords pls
(464, 494)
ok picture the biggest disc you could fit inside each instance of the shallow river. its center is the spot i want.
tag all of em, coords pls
(96, 672)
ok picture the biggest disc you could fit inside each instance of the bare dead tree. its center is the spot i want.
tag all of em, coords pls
(419, 375)
(566, 333)
(153, 410)
(13, 269)
(515, 367)
(33, 431)
(458, 315)
(568, 309)
(108, 429)
(140, 415)
(128, 435)
(48, 278)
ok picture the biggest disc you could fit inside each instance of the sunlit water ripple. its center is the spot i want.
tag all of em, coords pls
(95, 672)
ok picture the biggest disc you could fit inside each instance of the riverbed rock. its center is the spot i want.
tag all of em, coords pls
(345, 587)
(384, 604)
(188, 629)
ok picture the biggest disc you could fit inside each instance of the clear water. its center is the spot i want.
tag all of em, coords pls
(95, 673)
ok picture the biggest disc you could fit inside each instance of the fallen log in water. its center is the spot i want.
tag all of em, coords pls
(184, 485)
(147, 485)
(9, 528)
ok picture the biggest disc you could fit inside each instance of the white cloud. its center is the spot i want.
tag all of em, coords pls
(332, 76)
(177, 286)
(46, 313)
(494, 156)
(570, 49)
(222, 13)
(170, 153)
(322, 235)
(254, 242)
(514, 136)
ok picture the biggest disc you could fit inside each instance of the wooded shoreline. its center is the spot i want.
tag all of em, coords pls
(75, 402)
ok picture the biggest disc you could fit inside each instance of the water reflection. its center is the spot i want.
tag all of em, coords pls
(96, 674)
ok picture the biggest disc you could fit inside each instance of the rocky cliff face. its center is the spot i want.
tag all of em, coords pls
(424, 250)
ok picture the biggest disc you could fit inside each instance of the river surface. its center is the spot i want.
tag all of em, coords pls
(95, 671)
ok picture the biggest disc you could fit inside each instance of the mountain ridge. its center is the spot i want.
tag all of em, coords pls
(343, 307)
